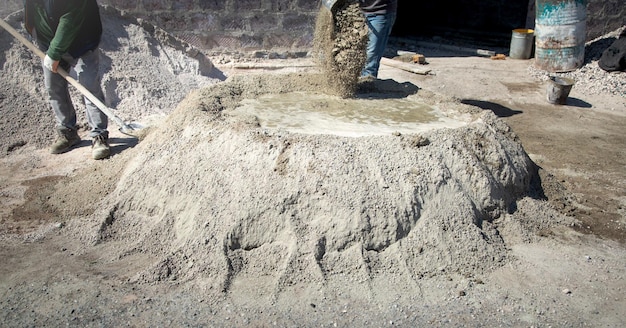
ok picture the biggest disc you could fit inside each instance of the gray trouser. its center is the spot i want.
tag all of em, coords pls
(86, 68)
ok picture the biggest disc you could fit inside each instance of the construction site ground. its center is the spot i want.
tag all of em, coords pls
(568, 276)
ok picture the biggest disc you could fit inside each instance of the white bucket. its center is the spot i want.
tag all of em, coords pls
(521, 43)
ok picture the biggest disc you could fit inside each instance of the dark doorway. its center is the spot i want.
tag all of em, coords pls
(485, 22)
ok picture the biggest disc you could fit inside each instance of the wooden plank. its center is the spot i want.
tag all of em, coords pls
(404, 66)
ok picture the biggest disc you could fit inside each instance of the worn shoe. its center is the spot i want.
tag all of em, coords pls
(366, 78)
(66, 139)
(100, 147)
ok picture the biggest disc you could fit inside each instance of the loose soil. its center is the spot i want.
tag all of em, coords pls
(515, 219)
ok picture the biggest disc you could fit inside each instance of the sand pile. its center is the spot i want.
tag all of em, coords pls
(145, 72)
(216, 200)
(213, 199)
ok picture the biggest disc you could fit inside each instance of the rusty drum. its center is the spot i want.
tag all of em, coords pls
(560, 33)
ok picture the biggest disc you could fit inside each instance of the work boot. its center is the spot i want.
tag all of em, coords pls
(366, 78)
(100, 147)
(66, 139)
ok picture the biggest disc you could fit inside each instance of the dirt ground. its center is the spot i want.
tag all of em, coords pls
(84, 264)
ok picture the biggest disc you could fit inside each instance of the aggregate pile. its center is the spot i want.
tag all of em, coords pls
(216, 200)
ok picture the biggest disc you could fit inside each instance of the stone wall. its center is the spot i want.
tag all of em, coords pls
(604, 16)
(231, 24)
(289, 24)
(268, 24)
(10, 6)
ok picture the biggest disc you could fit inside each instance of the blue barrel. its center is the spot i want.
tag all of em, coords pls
(560, 34)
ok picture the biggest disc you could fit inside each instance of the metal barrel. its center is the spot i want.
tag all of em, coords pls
(560, 33)
(521, 43)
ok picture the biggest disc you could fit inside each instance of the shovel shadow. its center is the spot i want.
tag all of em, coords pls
(120, 144)
(499, 110)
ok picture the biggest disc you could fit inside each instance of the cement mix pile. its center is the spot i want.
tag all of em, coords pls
(213, 199)
(217, 201)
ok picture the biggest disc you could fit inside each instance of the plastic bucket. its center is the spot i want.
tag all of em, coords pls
(521, 43)
(560, 34)
(558, 89)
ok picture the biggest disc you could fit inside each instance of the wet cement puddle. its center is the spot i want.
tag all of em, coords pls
(310, 113)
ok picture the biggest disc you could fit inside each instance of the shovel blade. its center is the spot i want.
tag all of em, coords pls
(330, 4)
(132, 129)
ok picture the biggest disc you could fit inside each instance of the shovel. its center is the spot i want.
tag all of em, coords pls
(331, 4)
(125, 128)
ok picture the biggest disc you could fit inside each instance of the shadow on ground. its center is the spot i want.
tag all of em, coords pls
(385, 89)
(499, 110)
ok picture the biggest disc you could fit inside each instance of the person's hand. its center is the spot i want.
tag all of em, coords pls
(51, 64)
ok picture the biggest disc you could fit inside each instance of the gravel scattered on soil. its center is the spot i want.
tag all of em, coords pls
(590, 78)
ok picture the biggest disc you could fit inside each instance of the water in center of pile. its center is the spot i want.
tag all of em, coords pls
(310, 113)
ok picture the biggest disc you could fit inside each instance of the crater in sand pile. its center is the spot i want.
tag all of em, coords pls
(311, 113)
(212, 193)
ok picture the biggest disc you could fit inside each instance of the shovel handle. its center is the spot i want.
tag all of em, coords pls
(106, 110)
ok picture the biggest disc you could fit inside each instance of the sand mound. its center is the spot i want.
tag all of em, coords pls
(215, 199)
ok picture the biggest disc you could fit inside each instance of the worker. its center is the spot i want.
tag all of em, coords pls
(69, 32)
(380, 16)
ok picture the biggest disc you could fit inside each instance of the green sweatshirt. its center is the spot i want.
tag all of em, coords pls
(64, 26)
